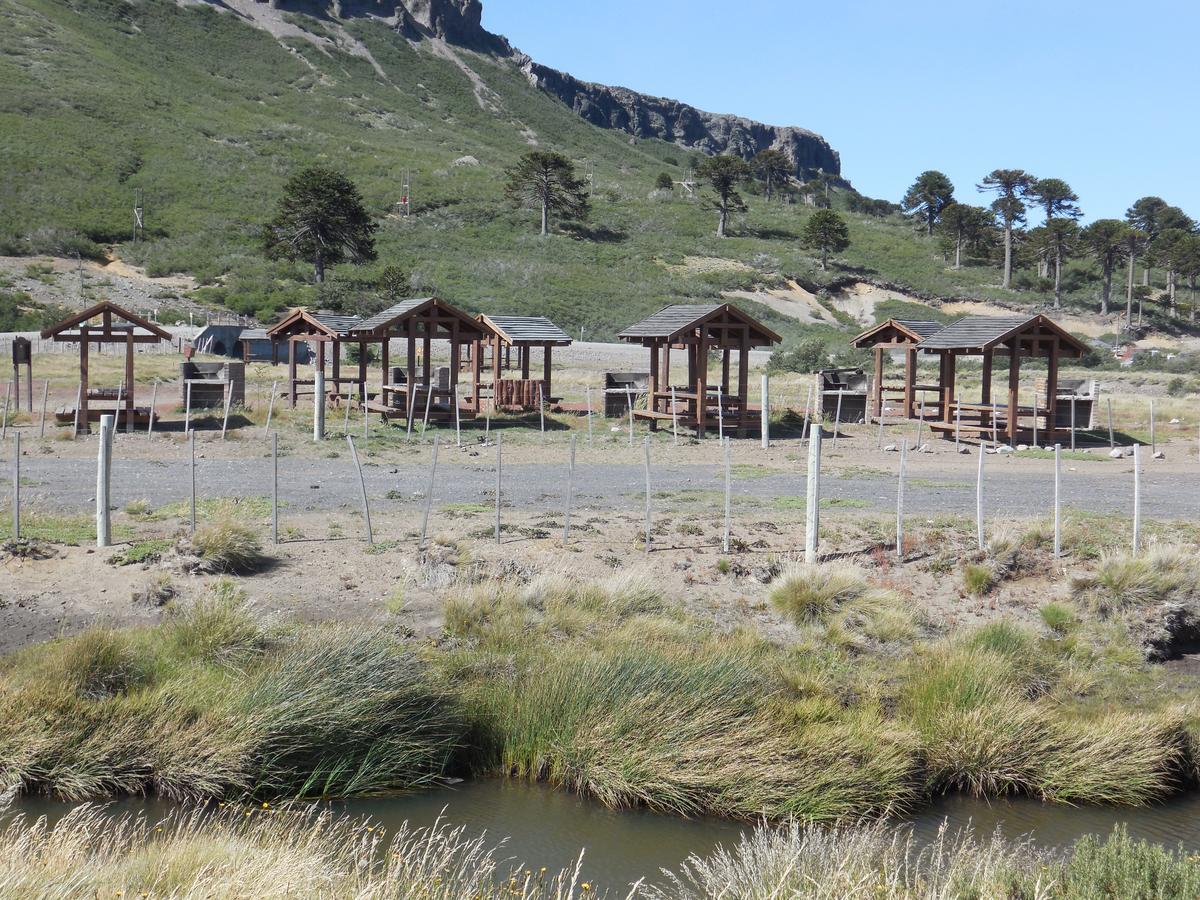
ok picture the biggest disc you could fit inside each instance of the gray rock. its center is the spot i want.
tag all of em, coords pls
(1116, 453)
(890, 448)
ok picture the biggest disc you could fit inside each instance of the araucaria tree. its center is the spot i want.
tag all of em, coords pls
(1106, 241)
(826, 231)
(321, 219)
(929, 195)
(1011, 187)
(546, 180)
(1057, 201)
(723, 174)
(772, 167)
(1059, 237)
(964, 226)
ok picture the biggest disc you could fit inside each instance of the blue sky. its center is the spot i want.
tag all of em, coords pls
(1100, 93)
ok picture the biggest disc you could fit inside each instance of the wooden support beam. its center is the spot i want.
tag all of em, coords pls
(1014, 387)
(128, 386)
(292, 371)
(1052, 390)
(652, 399)
(879, 382)
(701, 380)
(547, 350)
(910, 382)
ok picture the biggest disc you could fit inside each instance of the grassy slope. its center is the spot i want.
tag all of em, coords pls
(209, 115)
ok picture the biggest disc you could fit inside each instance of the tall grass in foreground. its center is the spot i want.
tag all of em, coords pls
(216, 703)
(276, 853)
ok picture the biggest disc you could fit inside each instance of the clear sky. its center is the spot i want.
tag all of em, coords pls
(1101, 93)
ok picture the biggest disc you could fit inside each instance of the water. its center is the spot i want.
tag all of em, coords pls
(544, 827)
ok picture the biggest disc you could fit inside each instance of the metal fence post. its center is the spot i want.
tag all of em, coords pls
(362, 484)
(429, 491)
(103, 481)
(900, 501)
(570, 493)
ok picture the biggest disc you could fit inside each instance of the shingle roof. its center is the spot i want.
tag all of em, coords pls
(669, 321)
(974, 332)
(923, 328)
(338, 323)
(391, 313)
(529, 329)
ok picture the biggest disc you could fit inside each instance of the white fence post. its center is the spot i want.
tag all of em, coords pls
(674, 419)
(720, 413)
(187, 409)
(103, 482)
(542, 410)
(16, 486)
(318, 406)
(271, 407)
(900, 501)
(1111, 442)
(1057, 501)
(570, 493)
(589, 414)
(274, 488)
(837, 419)
(457, 418)
(728, 497)
(766, 413)
(498, 470)
(153, 408)
(812, 519)
(629, 404)
(228, 403)
(1137, 499)
(192, 474)
(647, 446)
(979, 500)
(45, 398)
(1153, 439)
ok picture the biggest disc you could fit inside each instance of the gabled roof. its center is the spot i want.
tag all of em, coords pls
(110, 311)
(301, 321)
(673, 321)
(527, 330)
(393, 315)
(911, 330)
(979, 333)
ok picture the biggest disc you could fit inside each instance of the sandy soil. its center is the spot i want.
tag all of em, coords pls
(125, 285)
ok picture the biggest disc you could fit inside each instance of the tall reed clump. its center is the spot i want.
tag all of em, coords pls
(229, 546)
(214, 703)
(842, 604)
(1123, 582)
(259, 853)
(975, 703)
(686, 732)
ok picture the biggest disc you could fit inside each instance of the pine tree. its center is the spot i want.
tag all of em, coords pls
(723, 174)
(772, 167)
(321, 219)
(929, 195)
(963, 226)
(1106, 240)
(826, 231)
(546, 180)
(1011, 187)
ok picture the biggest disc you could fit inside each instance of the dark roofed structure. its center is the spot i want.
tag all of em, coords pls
(523, 333)
(978, 333)
(697, 329)
(299, 326)
(896, 334)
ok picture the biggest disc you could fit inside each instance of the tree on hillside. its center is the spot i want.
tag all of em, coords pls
(1057, 201)
(664, 182)
(1135, 243)
(321, 219)
(1185, 257)
(723, 174)
(929, 195)
(1059, 237)
(772, 167)
(1106, 241)
(1143, 215)
(1169, 248)
(1011, 187)
(546, 180)
(963, 226)
(826, 231)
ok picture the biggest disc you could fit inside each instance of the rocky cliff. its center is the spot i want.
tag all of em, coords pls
(460, 22)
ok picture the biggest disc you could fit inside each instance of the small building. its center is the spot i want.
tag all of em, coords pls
(697, 330)
(299, 327)
(246, 344)
(106, 323)
(522, 334)
(896, 335)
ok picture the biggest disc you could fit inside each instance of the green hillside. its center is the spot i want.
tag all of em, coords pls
(208, 114)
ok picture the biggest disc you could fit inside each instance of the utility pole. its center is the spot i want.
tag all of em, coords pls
(404, 207)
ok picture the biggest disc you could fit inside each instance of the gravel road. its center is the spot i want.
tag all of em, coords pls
(312, 485)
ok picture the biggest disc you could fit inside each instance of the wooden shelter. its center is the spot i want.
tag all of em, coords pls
(302, 326)
(698, 330)
(115, 326)
(1016, 337)
(896, 334)
(426, 319)
(520, 333)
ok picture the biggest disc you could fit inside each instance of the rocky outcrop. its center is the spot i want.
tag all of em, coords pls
(670, 120)
(460, 22)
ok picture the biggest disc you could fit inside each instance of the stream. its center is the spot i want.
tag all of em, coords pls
(544, 827)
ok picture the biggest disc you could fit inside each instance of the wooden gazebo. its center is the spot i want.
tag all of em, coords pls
(896, 334)
(697, 330)
(522, 334)
(115, 326)
(1016, 337)
(302, 326)
(427, 319)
